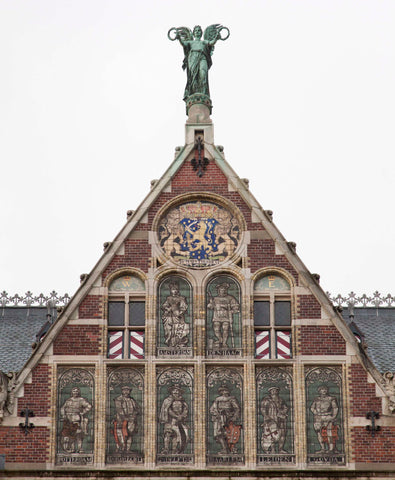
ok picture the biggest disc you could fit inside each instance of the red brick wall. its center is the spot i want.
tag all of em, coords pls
(320, 340)
(37, 394)
(308, 307)
(78, 340)
(362, 394)
(91, 307)
(186, 180)
(18, 447)
(137, 255)
(262, 254)
(377, 449)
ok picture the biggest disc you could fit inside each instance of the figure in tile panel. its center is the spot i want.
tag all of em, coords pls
(275, 416)
(75, 424)
(125, 427)
(174, 328)
(325, 437)
(225, 441)
(223, 317)
(175, 429)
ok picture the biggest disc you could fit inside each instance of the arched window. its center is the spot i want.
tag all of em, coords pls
(126, 318)
(272, 317)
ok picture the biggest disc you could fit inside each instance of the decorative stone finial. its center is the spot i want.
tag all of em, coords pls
(197, 60)
(83, 277)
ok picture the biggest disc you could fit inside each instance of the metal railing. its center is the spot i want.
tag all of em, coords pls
(375, 300)
(54, 300)
(29, 300)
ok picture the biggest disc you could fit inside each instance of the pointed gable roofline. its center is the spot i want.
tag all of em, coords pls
(258, 214)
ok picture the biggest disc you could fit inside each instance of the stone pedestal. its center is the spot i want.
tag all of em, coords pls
(199, 120)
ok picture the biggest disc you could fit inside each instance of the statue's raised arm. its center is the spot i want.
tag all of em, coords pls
(197, 58)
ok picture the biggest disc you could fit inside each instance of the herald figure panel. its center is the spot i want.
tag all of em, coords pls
(175, 411)
(225, 439)
(324, 416)
(223, 324)
(199, 234)
(125, 419)
(75, 419)
(174, 317)
(275, 416)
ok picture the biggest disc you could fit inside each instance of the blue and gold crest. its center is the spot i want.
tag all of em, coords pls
(199, 234)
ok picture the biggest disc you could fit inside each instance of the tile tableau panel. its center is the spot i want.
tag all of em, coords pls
(125, 418)
(75, 416)
(175, 429)
(223, 314)
(225, 437)
(324, 416)
(275, 416)
(174, 318)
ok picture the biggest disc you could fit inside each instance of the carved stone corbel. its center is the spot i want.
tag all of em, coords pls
(389, 387)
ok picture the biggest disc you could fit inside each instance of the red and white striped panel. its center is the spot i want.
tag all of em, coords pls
(115, 345)
(262, 344)
(136, 345)
(283, 344)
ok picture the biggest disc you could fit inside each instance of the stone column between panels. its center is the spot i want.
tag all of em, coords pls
(150, 415)
(101, 417)
(200, 414)
(250, 414)
(299, 414)
(248, 330)
(200, 380)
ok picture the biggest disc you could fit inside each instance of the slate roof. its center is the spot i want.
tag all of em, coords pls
(18, 329)
(20, 325)
(378, 327)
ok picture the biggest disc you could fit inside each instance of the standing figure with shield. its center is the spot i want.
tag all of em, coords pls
(225, 415)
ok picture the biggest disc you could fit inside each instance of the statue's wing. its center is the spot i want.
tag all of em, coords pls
(211, 33)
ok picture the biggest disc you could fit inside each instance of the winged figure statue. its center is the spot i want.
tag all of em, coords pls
(197, 54)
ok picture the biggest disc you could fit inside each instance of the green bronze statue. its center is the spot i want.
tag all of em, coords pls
(197, 59)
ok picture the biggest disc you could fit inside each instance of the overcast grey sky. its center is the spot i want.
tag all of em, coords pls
(91, 110)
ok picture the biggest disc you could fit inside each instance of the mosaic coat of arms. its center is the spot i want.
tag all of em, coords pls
(199, 234)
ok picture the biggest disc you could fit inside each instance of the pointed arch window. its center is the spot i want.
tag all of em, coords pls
(126, 318)
(272, 318)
